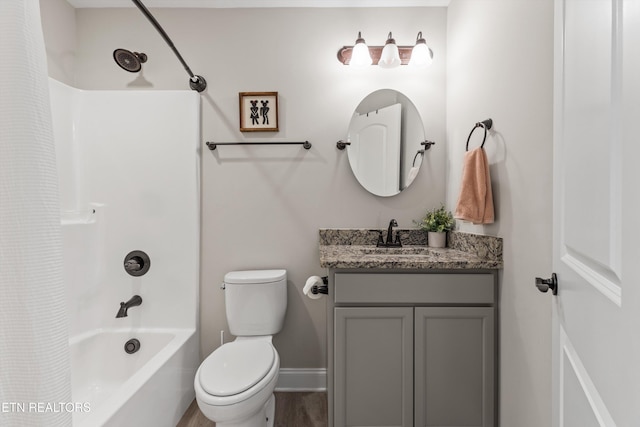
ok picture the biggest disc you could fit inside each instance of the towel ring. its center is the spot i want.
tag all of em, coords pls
(485, 124)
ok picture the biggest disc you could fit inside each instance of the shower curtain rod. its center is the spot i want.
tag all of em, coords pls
(196, 82)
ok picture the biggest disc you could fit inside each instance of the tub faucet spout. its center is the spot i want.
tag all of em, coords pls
(135, 301)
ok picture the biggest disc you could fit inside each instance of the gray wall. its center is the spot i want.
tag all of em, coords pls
(500, 65)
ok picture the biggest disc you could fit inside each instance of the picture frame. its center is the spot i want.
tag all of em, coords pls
(258, 111)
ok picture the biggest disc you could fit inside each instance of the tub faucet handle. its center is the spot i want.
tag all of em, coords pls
(133, 264)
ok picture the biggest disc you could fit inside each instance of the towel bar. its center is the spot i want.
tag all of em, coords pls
(213, 145)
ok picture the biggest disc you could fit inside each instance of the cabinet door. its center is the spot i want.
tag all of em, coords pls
(373, 366)
(454, 366)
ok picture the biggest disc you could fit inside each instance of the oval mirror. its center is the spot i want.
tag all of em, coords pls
(385, 136)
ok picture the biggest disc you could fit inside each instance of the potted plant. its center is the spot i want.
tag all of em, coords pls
(437, 222)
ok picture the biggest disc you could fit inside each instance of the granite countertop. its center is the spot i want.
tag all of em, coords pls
(355, 248)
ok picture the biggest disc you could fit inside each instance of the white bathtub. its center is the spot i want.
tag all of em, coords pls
(152, 387)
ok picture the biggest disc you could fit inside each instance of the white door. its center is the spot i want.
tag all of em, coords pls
(596, 239)
(374, 153)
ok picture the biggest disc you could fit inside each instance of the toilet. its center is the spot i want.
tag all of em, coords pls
(234, 385)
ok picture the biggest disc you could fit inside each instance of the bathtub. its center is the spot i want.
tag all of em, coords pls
(152, 387)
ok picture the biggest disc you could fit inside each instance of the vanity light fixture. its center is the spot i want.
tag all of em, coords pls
(386, 56)
(390, 56)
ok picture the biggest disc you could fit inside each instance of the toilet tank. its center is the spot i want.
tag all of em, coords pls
(255, 301)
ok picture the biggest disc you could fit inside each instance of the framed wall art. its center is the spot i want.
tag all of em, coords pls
(258, 111)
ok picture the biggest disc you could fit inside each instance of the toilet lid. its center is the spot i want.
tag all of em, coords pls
(236, 366)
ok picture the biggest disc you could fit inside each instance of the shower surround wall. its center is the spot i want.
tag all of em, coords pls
(129, 179)
(131, 157)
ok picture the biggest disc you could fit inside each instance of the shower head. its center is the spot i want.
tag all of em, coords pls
(129, 61)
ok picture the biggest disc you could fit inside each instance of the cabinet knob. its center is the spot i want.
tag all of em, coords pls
(544, 285)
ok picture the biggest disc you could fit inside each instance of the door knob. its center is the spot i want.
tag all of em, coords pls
(544, 285)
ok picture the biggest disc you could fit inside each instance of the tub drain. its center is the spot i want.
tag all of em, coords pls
(132, 346)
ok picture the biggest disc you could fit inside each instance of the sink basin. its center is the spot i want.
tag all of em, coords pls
(405, 250)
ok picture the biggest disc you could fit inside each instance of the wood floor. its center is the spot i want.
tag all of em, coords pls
(308, 409)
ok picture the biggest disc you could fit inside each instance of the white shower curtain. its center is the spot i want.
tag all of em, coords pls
(34, 351)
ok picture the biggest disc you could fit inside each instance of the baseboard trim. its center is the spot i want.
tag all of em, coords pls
(302, 379)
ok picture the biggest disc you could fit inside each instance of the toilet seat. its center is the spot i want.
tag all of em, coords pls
(236, 367)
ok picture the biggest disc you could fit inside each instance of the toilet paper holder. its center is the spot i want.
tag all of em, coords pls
(322, 289)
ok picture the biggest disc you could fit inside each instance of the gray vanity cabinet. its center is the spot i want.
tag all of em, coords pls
(412, 349)
(454, 366)
(374, 366)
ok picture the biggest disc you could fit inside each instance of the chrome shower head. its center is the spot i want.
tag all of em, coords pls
(129, 61)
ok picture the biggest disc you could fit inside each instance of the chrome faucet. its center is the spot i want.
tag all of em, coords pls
(390, 242)
(135, 301)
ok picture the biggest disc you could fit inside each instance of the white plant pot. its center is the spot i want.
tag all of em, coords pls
(437, 239)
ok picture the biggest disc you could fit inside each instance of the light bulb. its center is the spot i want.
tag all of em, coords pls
(390, 56)
(421, 55)
(360, 56)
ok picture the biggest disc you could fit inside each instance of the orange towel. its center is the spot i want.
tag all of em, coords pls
(475, 203)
